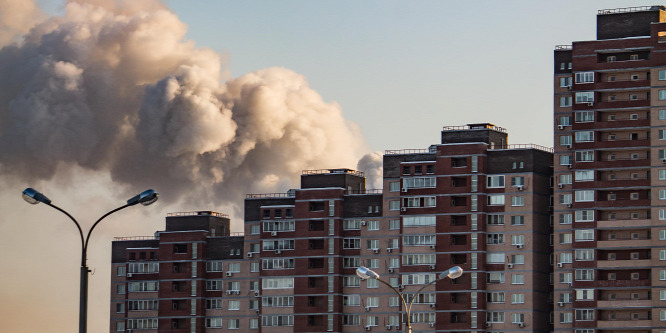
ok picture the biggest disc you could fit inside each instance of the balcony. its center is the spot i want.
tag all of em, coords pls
(626, 143)
(618, 162)
(617, 104)
(616, 203)
(617, 84)
(623, 263)
(623, 323)
(622, 223)
(617, 182)
(627, 242)
(618, 123)
(624, 303)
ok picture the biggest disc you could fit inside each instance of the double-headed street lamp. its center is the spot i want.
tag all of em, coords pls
(34, 197)
(366, 273)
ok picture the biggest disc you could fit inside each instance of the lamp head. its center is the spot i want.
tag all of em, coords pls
(366, 273)
(145, 198)
(452, 273)
(33, 196)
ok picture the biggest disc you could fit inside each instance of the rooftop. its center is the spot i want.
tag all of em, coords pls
(630, 10)
(199, 213)
(475, 127)
(333, 171)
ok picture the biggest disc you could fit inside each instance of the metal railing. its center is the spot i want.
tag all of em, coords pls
(131, 238)
(407, 151)
(473, 127)
(198, 213)
(563, 47)
(270, 195)
(524, 146)
(333, 171)
(629, 10)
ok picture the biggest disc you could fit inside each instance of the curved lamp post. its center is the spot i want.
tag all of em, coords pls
(366, 273)
(34, 197)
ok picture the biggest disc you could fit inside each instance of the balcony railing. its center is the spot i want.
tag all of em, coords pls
(270, 195)
(199, 213)
(629, 10)
(407, 151)
(524, 146)
(132, 238)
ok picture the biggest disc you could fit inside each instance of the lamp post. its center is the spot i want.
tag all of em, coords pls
(34, 197)
(366, 273)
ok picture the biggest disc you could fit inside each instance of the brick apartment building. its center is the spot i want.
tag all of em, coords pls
(472, 201)
(610, 175)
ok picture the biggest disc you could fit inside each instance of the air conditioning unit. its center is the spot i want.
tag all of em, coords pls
(432, 267)
(363, 223)
(367, 308)
(390, 270)
(432, 305)
(388, 327)
(570, 284)
(403, 209)
(521, 324)
(404, 189)
(229, 292)
(569, 166)
(664, 160)
(560, 265)
(401, 286)
(257, 311)
(368, 327)
(569, 146)
(389, 250)
(431, 324)
(129, 274)
(237, 292)
(509, 265)
(230, 274)
(273, 233)
(568, 205)
(560, 185)
(590, 103)
(249, 254)
(519, 246)
(256, 294)
(489, 324)
(560, 127)
(432, 247)
(560, 304)
(569, 87)
(278, 251)
(520, 187)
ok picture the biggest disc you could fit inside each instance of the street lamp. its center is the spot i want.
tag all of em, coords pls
(366, 273)
(34, 197)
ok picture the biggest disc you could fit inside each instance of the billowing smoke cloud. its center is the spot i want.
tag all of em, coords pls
(372, 165)
(114, 86)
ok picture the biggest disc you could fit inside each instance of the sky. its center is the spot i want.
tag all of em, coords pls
(371, 75)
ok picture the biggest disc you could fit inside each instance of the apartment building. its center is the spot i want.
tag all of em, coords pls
(472, 201)
(610, 175)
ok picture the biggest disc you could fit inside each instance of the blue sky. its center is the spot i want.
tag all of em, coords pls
(403, 69)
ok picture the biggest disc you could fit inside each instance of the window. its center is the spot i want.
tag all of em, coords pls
(584, 195)
(518, 220)
(565, 238)
(584, 77)
(565, 121)
(139, 324)
(418, 221)
(584, 275)
(420, 182)
(517, 200)
(277, 283)
(584, 116)
(662, 95)
(351, 300)
(565, 159)
(566, 218)
(611, 58)
(214, 266)
(566, 317)
(517, 279)
(565, 179)
(495, 317)
(495, 219)
(495, 181)
(584, 255)
(565, 199)
(495, 277)
(585, 315)
(517, 318)
(662, 114)
(585, 136)
(277, 301)
(495, 258)
(565, 81)
(584, 175)
(495, 239)
(517, 298)
(565, 101)
(517, 259)
(495, 297)
(584, 235)
(584, 97)
(585, 215)
(585, 156)
(213, 322)
(518, 181)
(351, 243)
(565, 258)
(495, 199)
(565, 140)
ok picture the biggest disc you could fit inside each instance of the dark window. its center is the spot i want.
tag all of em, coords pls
(180, 248)
(316, 225)
(289, 212)
(418, 169)
(406, 170)
(430, 169)
(132, 256)
(153, 255)
(267, 214)
(142, 255)
(316, 206)
(278, 213)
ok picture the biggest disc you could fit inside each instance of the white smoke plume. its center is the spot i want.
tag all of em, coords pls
(110, 99)
(114, 86)
(372, 165)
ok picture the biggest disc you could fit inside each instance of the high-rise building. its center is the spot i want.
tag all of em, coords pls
(471, 201)
(610, 176)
